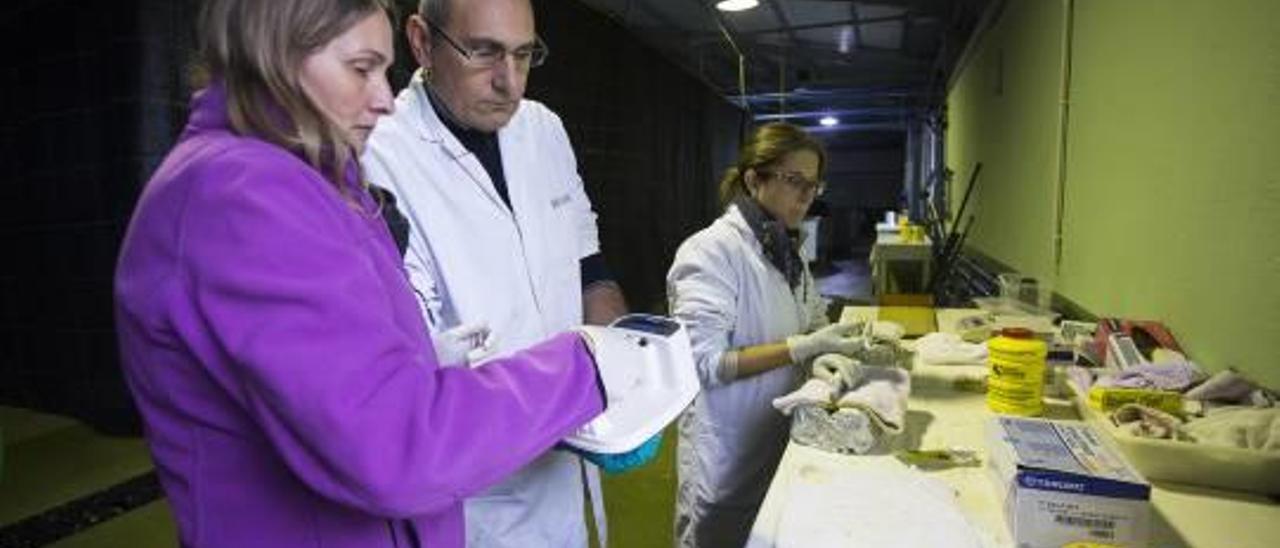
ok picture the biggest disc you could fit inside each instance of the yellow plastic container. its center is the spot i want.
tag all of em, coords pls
(1015, 379)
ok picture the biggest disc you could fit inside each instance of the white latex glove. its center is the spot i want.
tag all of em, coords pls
(816, 392)
(464, 345)
(837, 337)
(839, 371)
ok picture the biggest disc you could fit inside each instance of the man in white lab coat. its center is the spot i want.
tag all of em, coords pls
(502, 233)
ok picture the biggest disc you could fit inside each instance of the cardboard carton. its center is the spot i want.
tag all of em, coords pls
(1062, 483)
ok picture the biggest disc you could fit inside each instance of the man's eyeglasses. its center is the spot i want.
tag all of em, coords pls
(489, 54)
(797, 181)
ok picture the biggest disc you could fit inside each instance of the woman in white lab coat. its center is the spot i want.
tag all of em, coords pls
(747, 298)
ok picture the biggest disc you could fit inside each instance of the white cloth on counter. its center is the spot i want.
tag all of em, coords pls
(814, 392)
(1244, 427)
(885, 506)
(882, 394)
(867, 416)
(949, 349)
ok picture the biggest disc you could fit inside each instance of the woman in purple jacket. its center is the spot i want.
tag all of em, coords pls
(290, 394)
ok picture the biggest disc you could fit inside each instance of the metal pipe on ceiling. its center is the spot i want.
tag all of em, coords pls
(888, 126)
(869, 112)
(728, 37)
(835, 94)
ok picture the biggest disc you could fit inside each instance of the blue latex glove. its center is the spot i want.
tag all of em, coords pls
(617, 463)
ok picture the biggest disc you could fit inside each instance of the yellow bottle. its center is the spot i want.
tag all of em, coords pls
(1015, 377)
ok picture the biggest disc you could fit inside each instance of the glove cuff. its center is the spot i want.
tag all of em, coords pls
(799, 347)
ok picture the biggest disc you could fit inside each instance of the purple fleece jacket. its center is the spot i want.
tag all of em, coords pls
(290, 394)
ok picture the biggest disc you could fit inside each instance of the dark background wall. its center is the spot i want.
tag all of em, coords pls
(651, 140)
(93, 93)
(90, 96)
(864, 179)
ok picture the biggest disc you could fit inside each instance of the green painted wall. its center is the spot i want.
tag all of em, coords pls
(1172, 189)
(1003, 112)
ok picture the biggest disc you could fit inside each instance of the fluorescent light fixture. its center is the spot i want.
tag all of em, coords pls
(828, 121)
(845, 42)
(736, 5)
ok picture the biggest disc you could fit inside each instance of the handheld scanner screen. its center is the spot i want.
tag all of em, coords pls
(654, 325)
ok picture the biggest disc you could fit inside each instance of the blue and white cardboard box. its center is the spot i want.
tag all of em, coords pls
(1062, 484)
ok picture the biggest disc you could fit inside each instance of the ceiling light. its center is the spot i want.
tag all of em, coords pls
(828, 121)
(845, 41)
(736, 5)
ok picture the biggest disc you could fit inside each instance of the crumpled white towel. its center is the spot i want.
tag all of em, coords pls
(1246, 427)
(840, 371)
(949, 349)
(814, 392)
(882, 395)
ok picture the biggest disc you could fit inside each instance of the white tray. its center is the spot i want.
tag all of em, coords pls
(1190, 463)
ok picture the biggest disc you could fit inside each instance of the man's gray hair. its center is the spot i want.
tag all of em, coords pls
(436, 11)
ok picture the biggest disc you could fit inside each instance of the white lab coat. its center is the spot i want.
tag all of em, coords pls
(472, 260)
(724, 289)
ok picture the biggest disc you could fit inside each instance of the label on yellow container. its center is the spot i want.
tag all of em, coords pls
(1109, 399)
(1014, 398)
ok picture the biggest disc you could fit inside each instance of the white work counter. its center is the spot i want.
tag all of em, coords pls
(940, 416)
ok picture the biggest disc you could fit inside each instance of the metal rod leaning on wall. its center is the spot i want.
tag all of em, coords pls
(946, 253)
(946, 268)
(964, 203)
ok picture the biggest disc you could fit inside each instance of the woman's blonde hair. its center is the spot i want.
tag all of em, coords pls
(768, 145)
(256, 48)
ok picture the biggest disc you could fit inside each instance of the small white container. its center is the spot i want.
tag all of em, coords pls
(1028, 290)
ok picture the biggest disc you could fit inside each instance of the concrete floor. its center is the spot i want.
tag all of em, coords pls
(148, 526)
(50, 461)
(848, 280)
